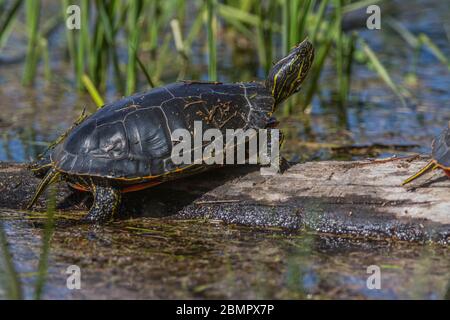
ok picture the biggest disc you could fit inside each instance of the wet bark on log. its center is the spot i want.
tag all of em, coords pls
(359, 199)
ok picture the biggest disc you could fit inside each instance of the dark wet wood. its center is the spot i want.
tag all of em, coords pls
(358, 199)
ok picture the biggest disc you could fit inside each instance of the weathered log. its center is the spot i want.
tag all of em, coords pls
(360, 198)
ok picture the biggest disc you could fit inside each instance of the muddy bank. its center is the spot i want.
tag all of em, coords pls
(358, 199)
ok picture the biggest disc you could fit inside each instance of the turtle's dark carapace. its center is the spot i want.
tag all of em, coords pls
(127, 145)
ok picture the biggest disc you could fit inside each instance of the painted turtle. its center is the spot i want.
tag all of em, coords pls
(440, 155)
(126, 145)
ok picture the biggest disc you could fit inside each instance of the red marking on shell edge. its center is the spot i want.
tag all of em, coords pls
(79, 187)
(132, 188)
(447, 172)
(141, 186)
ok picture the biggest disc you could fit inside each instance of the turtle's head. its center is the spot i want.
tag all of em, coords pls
(41, 166)
(286, 76)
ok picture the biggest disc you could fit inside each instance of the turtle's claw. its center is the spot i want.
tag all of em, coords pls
(284, 165)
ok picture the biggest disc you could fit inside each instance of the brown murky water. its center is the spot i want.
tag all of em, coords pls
(161, 258)
(153, 258)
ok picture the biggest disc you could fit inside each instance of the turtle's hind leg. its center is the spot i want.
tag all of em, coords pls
(106, 204)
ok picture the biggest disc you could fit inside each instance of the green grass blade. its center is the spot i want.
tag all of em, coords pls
(410, 38)
(305, 13)
(434, 49)
(211, 26)
(32, 14)
(359, 5)
(350, 53)
(9, 273)
(45, 248)
(70, 36)
(286, 28)
(95, 95)
(339, 52)
(133, 44)
(110, 36)
(154, 16)
(265, 35)
(318, 20)
(229, 12)
(381, 70)
(43, 47)
(322, 54)
(163, 59)
(7, 20)
(145, 71)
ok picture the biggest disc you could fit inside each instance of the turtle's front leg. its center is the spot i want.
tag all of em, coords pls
(106, 204)
(283, 164)
(40, 167)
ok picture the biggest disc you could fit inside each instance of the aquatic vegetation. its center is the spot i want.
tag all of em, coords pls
(211, 27)
(32, 13)
(7, 20)
(129, 41)
(45, 247)
(10, 278)
(93, 92)
(8, 275)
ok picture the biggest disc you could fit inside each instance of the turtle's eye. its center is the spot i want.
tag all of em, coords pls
(296, 86)
(299, 87)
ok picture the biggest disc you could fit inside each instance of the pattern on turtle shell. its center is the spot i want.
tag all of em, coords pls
(131, 138)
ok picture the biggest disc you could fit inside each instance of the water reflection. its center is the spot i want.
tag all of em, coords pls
(150, 258)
